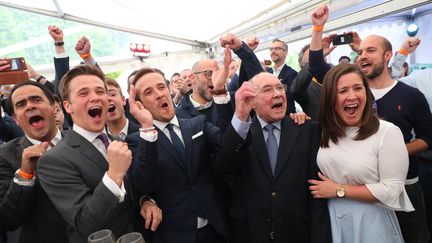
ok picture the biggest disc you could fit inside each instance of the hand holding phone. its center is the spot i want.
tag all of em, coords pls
(12, 70)
(343, 39)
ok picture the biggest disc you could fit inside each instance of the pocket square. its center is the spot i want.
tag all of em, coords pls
(197, 135)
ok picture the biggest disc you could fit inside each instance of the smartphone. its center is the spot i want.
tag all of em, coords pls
(16, 64)
(343, 39)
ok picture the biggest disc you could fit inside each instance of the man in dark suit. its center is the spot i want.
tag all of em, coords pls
(201, 101)
(23, 203)
(84, 174)
(251, 66)
(117, 123)
(271, 199)
(177, 170)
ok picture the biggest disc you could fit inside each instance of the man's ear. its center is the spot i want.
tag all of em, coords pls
(67, 106)
(388, 55)
(123, 100)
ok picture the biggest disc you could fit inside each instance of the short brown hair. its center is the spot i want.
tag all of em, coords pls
(113, 82)
(284, 44)
(331, 124)
(75, 72)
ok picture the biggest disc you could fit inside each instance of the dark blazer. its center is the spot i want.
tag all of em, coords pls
(251, 65)
(183, 190)
(71, 174)
(280, 205)
(23, 206)
(133, 127)
(187, 110)
(307, 92)
(9, 129)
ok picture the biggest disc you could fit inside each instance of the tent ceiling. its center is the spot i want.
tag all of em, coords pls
(190, 22)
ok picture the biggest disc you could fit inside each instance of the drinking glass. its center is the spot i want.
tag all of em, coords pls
(101, 236)
(133, 237)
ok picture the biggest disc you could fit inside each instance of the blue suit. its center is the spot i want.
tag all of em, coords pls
(184, 190)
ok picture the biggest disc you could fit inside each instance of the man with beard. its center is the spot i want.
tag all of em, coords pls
(396, 102)
(117, 123)
(200, 100)
(84, 175)
(23, 202)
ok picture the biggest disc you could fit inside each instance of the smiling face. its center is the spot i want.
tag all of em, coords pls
(278, 52)
(270, 101)
(202, 80)
(116, 102)
(88, 102)
(373, 56)
(154, 94)
(34, 113)
(350, 99)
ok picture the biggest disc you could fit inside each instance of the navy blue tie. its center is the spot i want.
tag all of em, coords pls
(104, 139)
(272, 146)
(176, 142)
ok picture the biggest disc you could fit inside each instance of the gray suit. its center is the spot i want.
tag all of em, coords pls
(71, 174)
(24, 206)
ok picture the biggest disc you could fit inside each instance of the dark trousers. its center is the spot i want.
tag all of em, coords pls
(425, 175)
(207, 234)
(413, 224)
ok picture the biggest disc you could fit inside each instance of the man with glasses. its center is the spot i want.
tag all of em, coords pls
(270, 200)
(200, 100)
(251, 65)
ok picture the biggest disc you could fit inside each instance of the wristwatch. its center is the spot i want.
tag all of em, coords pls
(340, 192)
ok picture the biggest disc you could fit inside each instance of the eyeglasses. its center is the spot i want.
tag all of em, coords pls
(207, 73)
(267, 90)
(276, 49)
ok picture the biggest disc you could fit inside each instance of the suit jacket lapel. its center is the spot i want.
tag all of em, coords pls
(87, 149)
(283, 72)
(260, 148)
(287, 140)
(166, 144)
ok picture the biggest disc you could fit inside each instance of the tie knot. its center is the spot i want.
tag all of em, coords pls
(104, 138)
(170, 127)
(269, 128)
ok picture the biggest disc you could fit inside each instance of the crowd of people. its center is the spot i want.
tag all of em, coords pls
(215, 156)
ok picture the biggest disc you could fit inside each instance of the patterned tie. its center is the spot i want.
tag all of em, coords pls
(104, 138)
(176, 142)
(272, 146)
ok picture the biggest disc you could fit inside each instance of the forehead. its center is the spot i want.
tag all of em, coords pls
(205, 65)
(277, 44)
(371, 41)
(112, 87)
(349, 78)
(149, 80)
(186, 72)
(26, 91)
(85, 81)
(265, 79)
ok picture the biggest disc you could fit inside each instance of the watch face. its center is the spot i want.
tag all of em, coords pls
(340, 192)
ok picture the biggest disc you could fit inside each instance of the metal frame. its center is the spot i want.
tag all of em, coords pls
(61, 14)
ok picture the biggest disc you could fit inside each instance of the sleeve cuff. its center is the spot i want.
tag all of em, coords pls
(241, 127)
(61, 55)
(119, 192)
(149, 136)
(222, 99)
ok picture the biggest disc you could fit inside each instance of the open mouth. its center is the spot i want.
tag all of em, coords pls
(36, 121)
(277, 106)
(351, 110)
(111, 108)
(164, 105)
(365, 65)
(210, 86)
(95, 112)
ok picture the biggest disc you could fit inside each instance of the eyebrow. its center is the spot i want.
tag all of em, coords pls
(31, 97)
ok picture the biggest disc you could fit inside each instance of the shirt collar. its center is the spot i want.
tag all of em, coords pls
(277, 124)
(124, 132)
(55, 140)
(199, 106)
(89, 136)
(161, 125)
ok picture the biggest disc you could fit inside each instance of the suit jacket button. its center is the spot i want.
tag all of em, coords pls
(274, 194)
